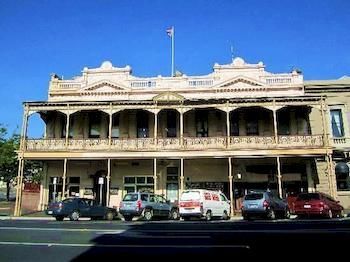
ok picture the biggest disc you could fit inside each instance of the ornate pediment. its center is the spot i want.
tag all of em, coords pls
(240, 81)
(168, 96)
(105, 87)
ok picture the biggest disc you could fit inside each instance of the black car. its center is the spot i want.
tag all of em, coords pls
(74, 208)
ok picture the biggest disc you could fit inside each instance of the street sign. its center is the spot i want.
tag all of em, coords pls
(100, 181)
(55, 180)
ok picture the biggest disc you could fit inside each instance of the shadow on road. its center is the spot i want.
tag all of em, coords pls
(208, 240)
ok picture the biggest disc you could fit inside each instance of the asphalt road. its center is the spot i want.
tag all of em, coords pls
(28, 240)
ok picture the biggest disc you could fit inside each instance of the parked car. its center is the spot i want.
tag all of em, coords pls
(74, 208)
(147, 206)
(308, 204)
(202, 203)
(264, 203)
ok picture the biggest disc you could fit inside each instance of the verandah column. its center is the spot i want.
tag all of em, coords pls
(181, 175)
(181, 128)
(19, 187)
(64, 178)
(230, 178)
(228, 127)
(155, 175)
(67, 128)
(275, 124)
(108, 180)
(279, 177)
(155, 127)
(17, 211)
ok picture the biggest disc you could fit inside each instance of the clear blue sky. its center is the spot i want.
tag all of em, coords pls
(41, 37)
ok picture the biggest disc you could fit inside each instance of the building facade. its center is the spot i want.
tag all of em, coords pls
(238, 128)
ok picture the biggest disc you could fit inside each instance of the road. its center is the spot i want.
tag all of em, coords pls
(28, 240)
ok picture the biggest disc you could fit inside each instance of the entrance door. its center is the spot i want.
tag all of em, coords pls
(100, 187)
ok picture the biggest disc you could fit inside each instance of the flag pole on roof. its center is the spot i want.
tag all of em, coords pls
(171, 33)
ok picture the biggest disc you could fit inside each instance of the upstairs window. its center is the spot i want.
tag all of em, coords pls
(337, 123)
(252, 124)
(201, 123)
(115, 126)
(95, 125)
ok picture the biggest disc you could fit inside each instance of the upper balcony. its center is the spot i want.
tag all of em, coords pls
(185, 144)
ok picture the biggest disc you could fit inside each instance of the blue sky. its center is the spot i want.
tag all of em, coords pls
(41, 37)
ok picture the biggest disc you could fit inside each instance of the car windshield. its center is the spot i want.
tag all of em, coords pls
(312, 196)
(253, 196)
(190, 195)
(131, 197)
(68, 200)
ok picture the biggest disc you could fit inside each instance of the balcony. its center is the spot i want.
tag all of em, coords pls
(172, 144)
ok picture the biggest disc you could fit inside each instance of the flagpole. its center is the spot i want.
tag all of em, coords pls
(173, 51)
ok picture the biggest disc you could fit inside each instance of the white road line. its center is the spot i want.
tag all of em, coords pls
(119, 231)
(52, 244)
(148, 231)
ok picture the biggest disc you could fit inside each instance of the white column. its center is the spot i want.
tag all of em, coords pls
(110, 128)
(230, 178)
(155, 175)
(155, 127)
(108, 180)
(181, 128)
(181, 176)
(279, 177)
(67, 128)
(275, 125)
(310, 181)
(19, 188)
(228, 127)
(64, 178)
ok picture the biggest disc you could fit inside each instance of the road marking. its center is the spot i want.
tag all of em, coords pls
(52, 244)
(118, 231)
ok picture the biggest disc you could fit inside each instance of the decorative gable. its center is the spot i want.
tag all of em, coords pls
(168, 96)
(105, 87)
(241, 84)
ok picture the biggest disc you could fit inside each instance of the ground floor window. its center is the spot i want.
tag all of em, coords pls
(138, 184)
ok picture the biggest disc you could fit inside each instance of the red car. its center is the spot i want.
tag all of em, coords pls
(308, 204)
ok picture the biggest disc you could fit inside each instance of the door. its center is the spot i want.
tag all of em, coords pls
(164, 207)
(84, 207)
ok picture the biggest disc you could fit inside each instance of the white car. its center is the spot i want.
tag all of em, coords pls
(202, 203)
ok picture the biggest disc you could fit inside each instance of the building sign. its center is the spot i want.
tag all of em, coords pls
(218, 186)
(88, 191)
(114, 190)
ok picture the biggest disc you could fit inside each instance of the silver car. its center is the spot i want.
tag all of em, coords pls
(264, 203)
(147, 206)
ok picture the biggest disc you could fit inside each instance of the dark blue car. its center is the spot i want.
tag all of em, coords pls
(74, 208)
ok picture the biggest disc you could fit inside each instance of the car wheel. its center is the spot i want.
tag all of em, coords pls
(287, 213)
(148, 215)
(174, 214)
(225, 216)
(246, 217)
(109, 215)
(330, 214)
(74, 216)
(208, 215)
(128, 218)
(271, 214)
(59, 218)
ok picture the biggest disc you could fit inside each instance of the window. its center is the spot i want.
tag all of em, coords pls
(142, 124)
(337, 123)
(201, 123)
(115, 126)
(63, 127)
(234, 125)
(171, 124)
(94, 125)
(252, 124)
(139, 184)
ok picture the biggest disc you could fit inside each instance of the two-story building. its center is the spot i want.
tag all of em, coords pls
(240, 127)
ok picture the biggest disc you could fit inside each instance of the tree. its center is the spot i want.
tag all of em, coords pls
(9, 162)
(8, 158)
